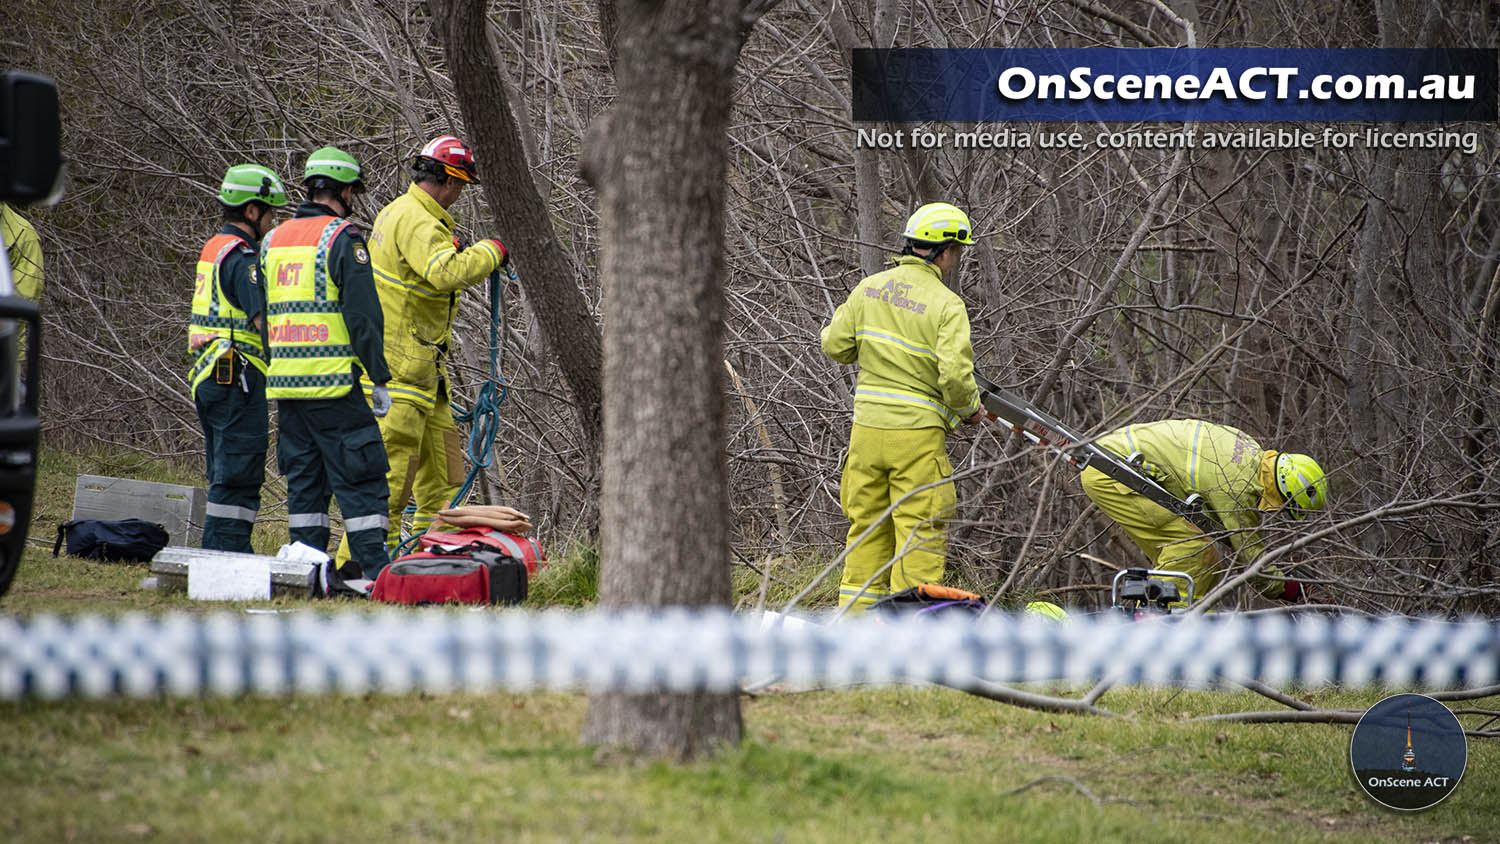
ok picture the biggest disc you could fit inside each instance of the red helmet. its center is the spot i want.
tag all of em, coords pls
(455, 156)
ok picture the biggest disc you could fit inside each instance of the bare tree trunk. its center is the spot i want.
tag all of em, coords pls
(659, 166)
(549, 278)
(869, 189)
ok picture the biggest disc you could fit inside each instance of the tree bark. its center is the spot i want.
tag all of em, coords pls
(659, 163)
(548, 277)
(869, 189)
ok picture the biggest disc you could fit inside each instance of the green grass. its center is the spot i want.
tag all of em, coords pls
(779, 579)
(898, 764)
(570, 578)
(901, 764)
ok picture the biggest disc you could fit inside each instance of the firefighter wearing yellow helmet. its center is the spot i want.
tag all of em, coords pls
(909, 333)
(420, 270)
(1237, 481)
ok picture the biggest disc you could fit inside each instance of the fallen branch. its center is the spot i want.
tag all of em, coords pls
(1082, 789)
(1005, 694)
(980, 688)
(1098, 690)
(1298, 609)
(1316, 716)
(1490, 716)
(1281, 698)
(1466, 694)
(1281, 716)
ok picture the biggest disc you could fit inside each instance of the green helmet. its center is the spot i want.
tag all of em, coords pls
(938, 222)
(333, 163)
(251, 183)
(1301, 480)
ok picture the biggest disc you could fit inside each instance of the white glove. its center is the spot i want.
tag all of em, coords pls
(380, 400)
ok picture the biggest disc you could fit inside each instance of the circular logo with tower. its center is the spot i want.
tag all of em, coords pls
(1408, 752)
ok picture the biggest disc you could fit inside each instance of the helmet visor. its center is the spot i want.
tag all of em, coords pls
(459, 173)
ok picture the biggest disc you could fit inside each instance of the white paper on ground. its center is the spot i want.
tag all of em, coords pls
(771, 618)
(302, 553)
(231, 579)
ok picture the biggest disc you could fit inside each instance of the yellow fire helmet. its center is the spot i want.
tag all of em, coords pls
(1301, 480)
(1047, 610)
(939, 222)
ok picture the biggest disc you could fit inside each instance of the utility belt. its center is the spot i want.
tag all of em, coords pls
(222, 361)
(229, 369)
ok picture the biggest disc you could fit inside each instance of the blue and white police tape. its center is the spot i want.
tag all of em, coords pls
(309, 653)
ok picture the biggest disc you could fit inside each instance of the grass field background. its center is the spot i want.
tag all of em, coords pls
(853, 764)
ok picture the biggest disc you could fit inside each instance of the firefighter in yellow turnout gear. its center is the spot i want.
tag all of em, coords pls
(909, 333)
(419, 271)
(1237, 480)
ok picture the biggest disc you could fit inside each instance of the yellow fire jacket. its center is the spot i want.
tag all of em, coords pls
(910, 336)
(25, 252)
(1222, 464)
(419, 274)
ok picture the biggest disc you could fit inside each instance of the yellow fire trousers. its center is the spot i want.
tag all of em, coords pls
(905, 548)
(427, 462)
(1169, 541)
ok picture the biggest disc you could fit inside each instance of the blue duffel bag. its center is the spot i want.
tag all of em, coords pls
(122, 540)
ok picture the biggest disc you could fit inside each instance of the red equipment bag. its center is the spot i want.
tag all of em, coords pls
(475, 575)
(523, 548)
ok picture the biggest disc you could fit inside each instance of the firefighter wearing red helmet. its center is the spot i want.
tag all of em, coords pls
(453, 155)
(420, 269)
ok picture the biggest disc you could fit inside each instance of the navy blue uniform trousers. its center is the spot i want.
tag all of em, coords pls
(332, 447)
(233, 417)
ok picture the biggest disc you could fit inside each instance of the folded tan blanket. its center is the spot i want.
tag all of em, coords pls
(497, 516)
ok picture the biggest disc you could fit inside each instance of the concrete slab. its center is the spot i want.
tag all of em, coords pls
(170, 566)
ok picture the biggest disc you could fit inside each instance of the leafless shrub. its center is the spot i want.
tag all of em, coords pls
(1337, 302)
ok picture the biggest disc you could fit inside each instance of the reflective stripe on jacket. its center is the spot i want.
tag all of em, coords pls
(311, 356)
(910, 336)
(418, 274)
(216, 325)
(1219, 463)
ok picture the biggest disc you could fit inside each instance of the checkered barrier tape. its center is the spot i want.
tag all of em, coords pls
(311, 653)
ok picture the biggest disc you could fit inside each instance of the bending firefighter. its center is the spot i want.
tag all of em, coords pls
(225, 338)
(420, 268)
(909, 333)
(325, 330)
(1237, 479)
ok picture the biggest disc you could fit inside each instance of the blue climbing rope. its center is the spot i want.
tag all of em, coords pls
(484, 417)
